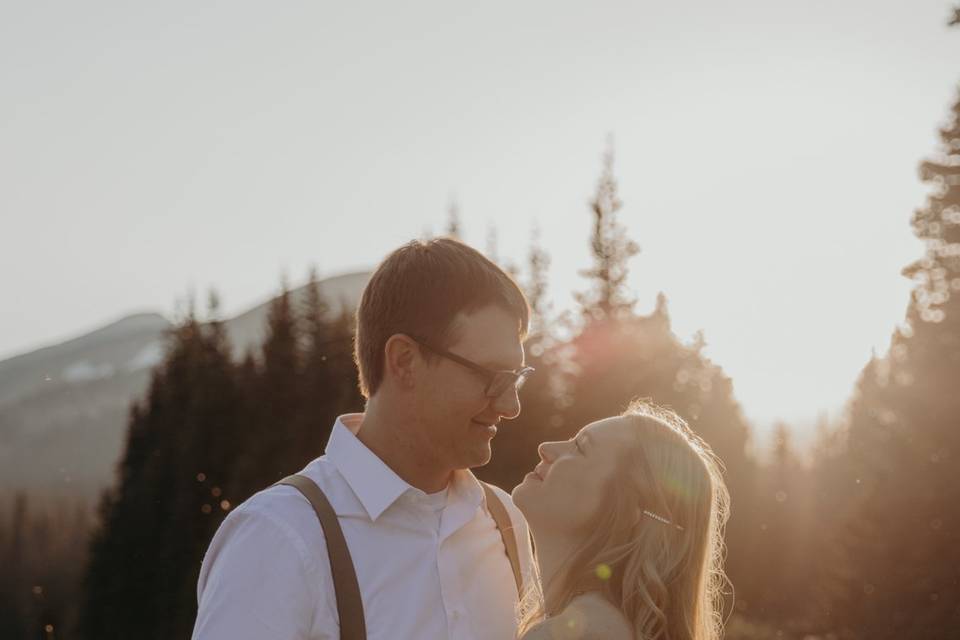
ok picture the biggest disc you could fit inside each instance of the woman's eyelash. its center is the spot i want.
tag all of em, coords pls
(579, 448)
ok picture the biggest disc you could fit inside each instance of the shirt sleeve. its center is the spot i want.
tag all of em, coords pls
(258, 581)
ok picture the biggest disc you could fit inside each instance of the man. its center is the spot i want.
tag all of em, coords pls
(440, 357)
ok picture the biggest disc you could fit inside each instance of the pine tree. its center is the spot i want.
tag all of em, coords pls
(453, 220)
(319, 384)
(781, 581)
(535, 288)
(328, 383)
(492, 250)
(617, 355)
(208, 449)
(15, 616)
(120, 577)
(903, 535)
(611, 250)
(832, 484)
(271, 433)
(170, 497)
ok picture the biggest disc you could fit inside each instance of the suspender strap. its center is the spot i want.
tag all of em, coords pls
(502, 519)
(346, 589)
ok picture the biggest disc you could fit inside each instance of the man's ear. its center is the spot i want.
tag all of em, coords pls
(401, 357)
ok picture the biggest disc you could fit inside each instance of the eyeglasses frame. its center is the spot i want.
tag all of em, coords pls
(519, 376)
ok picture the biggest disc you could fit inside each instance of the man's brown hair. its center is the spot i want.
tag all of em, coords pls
(418, 290)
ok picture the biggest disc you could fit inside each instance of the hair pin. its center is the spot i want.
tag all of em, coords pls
(660, 518)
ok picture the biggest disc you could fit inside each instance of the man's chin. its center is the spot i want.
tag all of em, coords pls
(478, 457)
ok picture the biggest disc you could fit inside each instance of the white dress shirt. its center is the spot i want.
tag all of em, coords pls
(429, 566)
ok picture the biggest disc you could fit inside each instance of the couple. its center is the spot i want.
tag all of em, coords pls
(626, 517)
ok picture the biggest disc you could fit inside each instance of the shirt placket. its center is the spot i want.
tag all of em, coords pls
(458, 624)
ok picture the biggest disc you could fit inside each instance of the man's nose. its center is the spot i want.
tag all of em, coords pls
(507, 404)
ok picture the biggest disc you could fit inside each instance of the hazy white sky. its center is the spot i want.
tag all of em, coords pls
(766, 152)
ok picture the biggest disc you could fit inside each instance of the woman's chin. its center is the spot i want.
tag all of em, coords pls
(521, 491)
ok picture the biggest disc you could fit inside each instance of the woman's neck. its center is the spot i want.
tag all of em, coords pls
(554, 550)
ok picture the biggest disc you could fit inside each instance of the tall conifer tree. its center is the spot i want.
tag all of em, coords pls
(903, 536)
(329, 383)
(611, 249)
(170, 495)
(268, 452)
(617, 355)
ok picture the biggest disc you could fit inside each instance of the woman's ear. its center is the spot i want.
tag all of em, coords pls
(401, 357)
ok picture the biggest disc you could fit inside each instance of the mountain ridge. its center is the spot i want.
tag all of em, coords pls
(64, 407)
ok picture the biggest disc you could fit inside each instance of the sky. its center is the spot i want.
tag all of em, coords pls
(766, 153)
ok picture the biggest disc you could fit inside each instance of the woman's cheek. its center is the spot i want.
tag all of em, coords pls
(593, 493)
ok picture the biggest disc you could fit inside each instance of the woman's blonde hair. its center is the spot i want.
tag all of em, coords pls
(656, 550)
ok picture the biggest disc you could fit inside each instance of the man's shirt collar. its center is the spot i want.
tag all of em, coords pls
(371, 480)
(376, 485)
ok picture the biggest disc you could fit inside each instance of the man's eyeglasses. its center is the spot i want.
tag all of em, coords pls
(498, 381)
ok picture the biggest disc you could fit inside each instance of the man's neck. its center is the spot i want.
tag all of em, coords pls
(390, 440)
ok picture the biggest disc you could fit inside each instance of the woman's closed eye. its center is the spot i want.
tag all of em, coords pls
(576, 441)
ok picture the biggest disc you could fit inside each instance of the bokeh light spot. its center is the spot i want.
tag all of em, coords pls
(603, 571)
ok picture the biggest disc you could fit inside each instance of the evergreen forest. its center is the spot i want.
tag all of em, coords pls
(857, 538)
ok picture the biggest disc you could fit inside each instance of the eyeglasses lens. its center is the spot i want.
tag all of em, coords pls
(500, 383)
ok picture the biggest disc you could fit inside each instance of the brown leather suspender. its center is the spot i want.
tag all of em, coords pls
(500, 516)
(346, 588)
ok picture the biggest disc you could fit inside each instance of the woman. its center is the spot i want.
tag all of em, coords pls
(627, 518)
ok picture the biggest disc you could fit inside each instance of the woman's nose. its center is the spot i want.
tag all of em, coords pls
(548, 451)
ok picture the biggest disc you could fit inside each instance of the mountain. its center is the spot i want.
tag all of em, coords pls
(63, 408)
(127, 344)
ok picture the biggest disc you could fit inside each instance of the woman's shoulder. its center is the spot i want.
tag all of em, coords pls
(589, 616)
